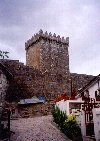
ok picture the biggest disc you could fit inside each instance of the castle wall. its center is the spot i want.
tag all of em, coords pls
(78, 81)
(47, 71)
(33, 56)
(49, 54)
(28, 82)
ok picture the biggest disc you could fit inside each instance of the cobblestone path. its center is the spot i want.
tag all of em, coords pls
(36, 129)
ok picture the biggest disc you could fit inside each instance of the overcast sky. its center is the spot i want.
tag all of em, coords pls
(77, 19)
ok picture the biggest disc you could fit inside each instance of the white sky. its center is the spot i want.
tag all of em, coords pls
(77, 19)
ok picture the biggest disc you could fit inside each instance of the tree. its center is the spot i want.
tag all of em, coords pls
(4, 54)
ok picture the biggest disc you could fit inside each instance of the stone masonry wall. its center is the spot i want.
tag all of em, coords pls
(78, 81)
(3, 87)
(49, 54)
(47, 71)
(33, 56)
(27, 81)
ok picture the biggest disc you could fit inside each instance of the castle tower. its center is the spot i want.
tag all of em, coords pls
(49, 54)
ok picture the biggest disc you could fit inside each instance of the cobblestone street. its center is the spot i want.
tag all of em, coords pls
(36, 129)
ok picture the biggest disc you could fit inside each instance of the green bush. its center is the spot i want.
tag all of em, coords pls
(59, 116)
(62, 119)
(56, 114)
(71, 128)
(67, 124)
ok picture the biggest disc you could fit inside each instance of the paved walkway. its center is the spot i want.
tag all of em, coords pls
(36, 129)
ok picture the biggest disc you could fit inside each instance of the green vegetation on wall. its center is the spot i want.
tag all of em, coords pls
(66, 123)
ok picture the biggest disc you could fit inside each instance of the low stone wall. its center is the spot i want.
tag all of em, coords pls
(32, 110)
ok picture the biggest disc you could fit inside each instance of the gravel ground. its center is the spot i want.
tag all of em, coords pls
(36, 129)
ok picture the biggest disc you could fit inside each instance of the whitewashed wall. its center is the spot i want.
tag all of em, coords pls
(65, 105)
(92, 89)
(96, 119)
(62, 105)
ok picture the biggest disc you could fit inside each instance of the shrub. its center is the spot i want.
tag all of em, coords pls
(56, 114)
(59, 117)
(62, 119)
(71, 128)
(67, 124)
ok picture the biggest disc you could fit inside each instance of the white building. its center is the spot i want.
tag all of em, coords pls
(69, 106)
(92, 89)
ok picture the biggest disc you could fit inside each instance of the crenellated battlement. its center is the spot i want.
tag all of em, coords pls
(45, 35)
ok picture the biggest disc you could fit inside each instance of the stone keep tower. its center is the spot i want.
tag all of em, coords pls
(49, 54)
